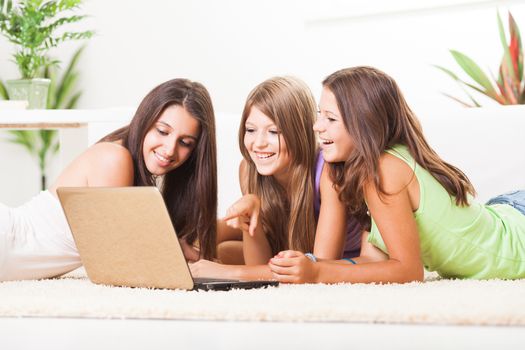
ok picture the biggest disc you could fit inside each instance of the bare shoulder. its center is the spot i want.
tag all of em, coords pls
(110, 164)
(330, 202)
(331, 224)
(103, 164)
(395, 174)
(109, 151)
(326, 185)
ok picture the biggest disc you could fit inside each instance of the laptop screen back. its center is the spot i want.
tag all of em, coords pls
(125, 237)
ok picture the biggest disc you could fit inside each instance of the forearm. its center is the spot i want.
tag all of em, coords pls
(256, 248)
(227, 233)
(254, 272)
(390, 271)
(244, 272)
(328, 248)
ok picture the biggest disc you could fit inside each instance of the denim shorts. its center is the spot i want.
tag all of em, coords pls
(515, 199)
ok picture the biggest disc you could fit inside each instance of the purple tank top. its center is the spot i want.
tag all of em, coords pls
(353, 228)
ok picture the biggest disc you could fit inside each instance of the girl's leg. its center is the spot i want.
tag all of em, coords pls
(515, 199)
(229, 244)
(27, 254)
(230, 253)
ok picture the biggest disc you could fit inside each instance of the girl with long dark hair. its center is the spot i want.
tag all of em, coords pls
(170, 143)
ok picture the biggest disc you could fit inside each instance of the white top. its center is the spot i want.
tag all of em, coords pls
(35, 240)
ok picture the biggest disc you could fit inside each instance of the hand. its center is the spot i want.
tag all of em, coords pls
(206, 268)
(292, 266)
(244, 214)
(190, 252)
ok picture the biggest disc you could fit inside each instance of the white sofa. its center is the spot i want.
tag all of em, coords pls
(483, 142)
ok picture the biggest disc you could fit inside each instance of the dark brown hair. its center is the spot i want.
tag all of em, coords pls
(377, 117)
(190, 190)
(287, 214)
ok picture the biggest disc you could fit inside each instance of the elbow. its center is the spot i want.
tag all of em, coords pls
(419, 277)
(414, 275)
(410, 273)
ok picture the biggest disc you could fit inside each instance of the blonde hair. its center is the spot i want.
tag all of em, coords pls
(287, 215)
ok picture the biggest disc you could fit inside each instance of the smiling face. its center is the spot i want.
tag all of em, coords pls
(170, 140)
(334, 139)
(266, 145)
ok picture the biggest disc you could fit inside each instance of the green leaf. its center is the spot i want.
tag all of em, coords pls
(447, 71)
(461, 84)
(66, 88)
(64, 96)
(50, 74)
(499, 85)
(465, 104)
(515, 35)
(6, 6)
(509, 84)
(3, 91)
(73, 101)
(73, 63)
(506, 51)
(35, 26)
(47, 139)
(472, 69)
(24, 138)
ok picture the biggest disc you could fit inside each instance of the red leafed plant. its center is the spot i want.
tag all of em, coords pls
(509, 87)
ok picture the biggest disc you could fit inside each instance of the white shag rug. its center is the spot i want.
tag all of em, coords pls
(436, 301)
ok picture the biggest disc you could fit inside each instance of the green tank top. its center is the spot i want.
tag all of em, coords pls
(475, 241)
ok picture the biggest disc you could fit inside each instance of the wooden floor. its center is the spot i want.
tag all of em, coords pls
(78, 334)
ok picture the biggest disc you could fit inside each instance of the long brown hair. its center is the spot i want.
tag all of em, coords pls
(377, 118)
(190, 190)
(287, 214)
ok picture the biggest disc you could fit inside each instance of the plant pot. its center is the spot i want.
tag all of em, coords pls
(34, 91)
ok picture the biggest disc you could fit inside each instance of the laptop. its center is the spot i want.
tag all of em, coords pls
(125, 237)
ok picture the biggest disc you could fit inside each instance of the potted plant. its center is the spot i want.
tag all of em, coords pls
(31, 26)
(64, 93)
(509, 87)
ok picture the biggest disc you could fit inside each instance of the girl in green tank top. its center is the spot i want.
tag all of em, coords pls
(419, 210)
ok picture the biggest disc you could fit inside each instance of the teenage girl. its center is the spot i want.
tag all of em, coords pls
(421, 208)
(170, 141)
(281, 177)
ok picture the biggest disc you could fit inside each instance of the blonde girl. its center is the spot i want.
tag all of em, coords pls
(277, 178)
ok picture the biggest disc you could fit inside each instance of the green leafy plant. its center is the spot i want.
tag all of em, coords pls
(3, 91)
(32, 25)
(63, 94)
(509, 86)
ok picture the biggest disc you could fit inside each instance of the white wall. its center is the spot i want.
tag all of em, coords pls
(231, 46)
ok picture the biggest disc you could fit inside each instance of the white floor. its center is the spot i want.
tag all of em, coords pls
(77, 334)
